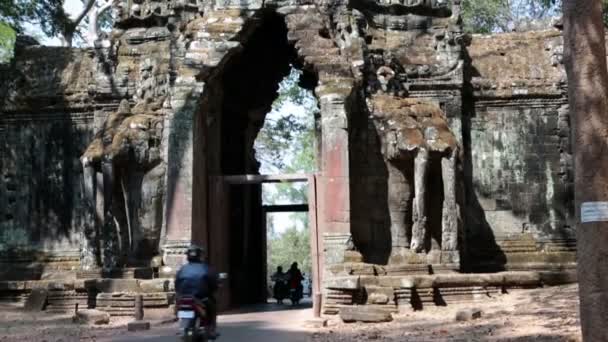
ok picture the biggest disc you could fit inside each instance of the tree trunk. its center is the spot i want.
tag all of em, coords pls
(67, 39)
(585, 60)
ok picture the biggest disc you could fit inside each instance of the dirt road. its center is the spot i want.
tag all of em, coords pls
(264, 323)
(545, 314)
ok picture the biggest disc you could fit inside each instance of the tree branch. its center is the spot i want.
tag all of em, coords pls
(84, 13)
(105, 7)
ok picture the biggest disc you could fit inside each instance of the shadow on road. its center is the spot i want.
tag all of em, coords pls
(271, 306)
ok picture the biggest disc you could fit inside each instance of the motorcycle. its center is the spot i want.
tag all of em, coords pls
(193, 318)
(295, 295)
(280, 289)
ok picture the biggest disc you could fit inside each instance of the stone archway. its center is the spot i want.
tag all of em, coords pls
(216, 77)
(237, 96)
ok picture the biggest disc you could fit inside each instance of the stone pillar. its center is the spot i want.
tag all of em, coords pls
(88, 243)
(449, 220)
(421, 166)
(108, 227)
(178, 141)
(399, 193)
(335, 170)
(334, 189)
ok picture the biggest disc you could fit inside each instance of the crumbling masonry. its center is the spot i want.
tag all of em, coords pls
(440, 155)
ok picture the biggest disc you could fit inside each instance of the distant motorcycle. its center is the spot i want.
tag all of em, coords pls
(295, 295)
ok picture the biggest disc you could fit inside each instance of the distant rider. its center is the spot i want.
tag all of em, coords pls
(196, 279)
(295, 279)
(280, 285)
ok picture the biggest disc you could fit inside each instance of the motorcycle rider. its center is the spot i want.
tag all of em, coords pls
(197, 280)
(295, 280)
(280, 284)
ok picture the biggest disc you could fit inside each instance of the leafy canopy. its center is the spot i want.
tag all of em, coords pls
(286, 144)
(490, 16)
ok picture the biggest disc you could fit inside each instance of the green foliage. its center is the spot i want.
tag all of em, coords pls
(49, 14)
(489, 16)
(485, 16)
(7, 42)
(292, 245)
(286, 144)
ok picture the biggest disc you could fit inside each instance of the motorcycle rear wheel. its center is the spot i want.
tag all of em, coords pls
(194, 333)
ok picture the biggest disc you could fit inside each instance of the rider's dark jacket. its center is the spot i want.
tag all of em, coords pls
(196, 279)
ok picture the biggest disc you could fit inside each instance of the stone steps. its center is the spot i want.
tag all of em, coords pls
(123, 304)
(123, 273)
(60, 301)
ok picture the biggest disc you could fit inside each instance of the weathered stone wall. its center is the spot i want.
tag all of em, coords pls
(45, 125)
(520, 155)
(493, 116)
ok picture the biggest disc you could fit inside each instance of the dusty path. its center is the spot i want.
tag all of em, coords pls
(540, 315)
(264, 323)
(546, 314)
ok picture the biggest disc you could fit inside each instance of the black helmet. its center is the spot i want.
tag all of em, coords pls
(194, 253)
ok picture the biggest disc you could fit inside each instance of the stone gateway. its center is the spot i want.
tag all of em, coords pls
(441, 155)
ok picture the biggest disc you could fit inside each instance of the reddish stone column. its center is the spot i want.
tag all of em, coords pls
(334, 183)
(335, 168)
(179, 156)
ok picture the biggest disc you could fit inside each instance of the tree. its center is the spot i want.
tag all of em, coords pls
(92, 13)
(286, 133)
(99, 17)
(485, 16)
(293, 245)
(7, 43)
(492, 16)
(585, 61)
(53, 19)
(286, 145)
(14, 13)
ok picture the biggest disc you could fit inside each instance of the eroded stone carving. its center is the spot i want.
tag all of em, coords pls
(414, 135)
(415, 45)
(123, 181)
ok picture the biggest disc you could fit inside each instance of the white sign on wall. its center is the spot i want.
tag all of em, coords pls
(594, 212)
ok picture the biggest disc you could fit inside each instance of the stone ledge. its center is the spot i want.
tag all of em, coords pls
(506, 279)
(99, 285)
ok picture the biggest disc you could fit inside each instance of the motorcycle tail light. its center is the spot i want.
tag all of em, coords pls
(185, 302)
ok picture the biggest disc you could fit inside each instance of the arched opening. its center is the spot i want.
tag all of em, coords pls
(238, 97)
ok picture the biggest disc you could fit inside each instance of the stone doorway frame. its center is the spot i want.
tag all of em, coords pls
(217, 236)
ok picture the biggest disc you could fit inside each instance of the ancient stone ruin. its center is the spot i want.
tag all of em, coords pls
(441, 155)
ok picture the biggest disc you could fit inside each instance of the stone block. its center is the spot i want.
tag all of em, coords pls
(468, 315)
(522, 278)
(91, 316)
(117, 285)
(353, 256)
(378, 298)
(359, 269)
(138, 326)
(365, 314)
(380, 295)
(343, 283)
(157, 285)
(12, 285)
(423, 281)
(36, 301)
(316, 323)
(390, 281)
(553, 278)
